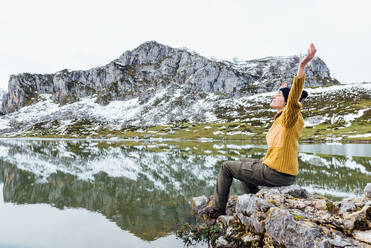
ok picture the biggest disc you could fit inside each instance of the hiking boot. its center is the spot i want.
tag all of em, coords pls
(212, 212)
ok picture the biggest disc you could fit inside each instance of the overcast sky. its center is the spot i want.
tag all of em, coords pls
(48, 36)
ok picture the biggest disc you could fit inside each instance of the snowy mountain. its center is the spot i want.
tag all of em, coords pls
(156, 85)
(152, 67)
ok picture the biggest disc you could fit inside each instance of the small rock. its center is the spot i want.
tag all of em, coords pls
(251, 223)
(349, 222)
(282, 227)
(199, 202)
(221, 242)
(272, 195)
(229, 232)
(350, 218)
(321, 216)
(277, 200)
(321, 205)
(290, 203)
(225, 220)
(249, 203)
(367, 191)
(311, 211)
(250, 210)
(323, 244)
(347, 205)
(268, 190)
(338, 241)
(250, 238)
(295, 191)
(364, 236)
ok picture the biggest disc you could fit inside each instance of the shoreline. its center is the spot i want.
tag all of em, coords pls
(203, 139)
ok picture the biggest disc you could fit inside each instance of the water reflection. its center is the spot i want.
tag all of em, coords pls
(146, 188)
(40, 225)
(338, 149)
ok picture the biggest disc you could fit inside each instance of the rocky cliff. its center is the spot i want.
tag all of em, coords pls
(152, 67)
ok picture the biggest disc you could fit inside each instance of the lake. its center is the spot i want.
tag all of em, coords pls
(111, 193)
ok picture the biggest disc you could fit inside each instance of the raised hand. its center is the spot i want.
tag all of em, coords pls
(311, 52)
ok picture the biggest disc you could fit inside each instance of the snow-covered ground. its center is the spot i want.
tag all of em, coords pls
(160, 111)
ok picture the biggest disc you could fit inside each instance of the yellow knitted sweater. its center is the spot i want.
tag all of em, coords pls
(283, 136)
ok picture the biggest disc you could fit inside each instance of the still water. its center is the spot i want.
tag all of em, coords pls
(89, 193)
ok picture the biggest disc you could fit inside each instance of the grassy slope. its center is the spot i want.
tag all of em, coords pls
(248, 124)
(218, 131)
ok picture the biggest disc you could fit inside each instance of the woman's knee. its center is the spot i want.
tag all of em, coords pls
(226, 165)
(231, 167)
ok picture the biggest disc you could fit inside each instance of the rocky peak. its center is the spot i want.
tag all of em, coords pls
(147, 53)
(152, 67)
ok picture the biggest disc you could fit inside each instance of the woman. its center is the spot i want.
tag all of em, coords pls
(280, 164)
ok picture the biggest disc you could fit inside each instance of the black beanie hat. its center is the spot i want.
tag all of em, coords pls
(286, 91)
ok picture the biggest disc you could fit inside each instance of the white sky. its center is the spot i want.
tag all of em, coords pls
(47, 36)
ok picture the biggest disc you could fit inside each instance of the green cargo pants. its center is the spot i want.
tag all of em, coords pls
(252, 173)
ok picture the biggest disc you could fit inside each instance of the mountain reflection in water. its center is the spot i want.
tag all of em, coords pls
(146, 187)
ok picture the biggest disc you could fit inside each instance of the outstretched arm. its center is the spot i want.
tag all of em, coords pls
(290, 114)
(311, 52)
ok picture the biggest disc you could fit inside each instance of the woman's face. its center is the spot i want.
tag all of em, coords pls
(278, 101)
